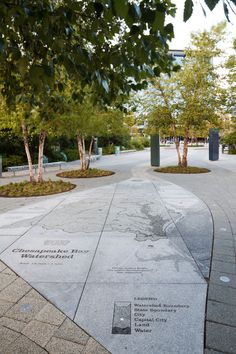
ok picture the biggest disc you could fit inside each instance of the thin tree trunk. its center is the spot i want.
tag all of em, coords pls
(176, 140)
(177, 149)
(185, 152)
(42, 137)
(27, 150)
(81, 148)
(89, 153)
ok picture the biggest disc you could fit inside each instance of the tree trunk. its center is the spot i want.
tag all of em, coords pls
(177, 149)
(185, 152)
(82, 154)
(42, 137)
(27, 150)
(89, 153)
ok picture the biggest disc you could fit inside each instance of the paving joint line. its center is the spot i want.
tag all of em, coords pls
(85, 282)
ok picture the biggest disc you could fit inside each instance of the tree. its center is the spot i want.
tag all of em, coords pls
(187, 102)
(112, 46)
(85, 121)
(30, 119)
(230, 100)
(230, 77)
(228, 7)
(103, 42)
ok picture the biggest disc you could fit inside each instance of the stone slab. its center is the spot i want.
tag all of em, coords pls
(138, 319)
(221, 313)
(118, 260)
(222, 294)
(126, 260)
(6, 241)
(39, 259)
(223, 279)
(65, 296)
(221, 337)
(24, 345)
(225, 267)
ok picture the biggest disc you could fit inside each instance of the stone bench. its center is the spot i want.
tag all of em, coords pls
(15, 169)
(94, 157)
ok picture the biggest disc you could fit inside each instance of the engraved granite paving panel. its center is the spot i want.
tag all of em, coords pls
(125, 261)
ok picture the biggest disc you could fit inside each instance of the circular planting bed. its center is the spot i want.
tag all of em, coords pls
(90, 173)
(28, 189)
(185, 170)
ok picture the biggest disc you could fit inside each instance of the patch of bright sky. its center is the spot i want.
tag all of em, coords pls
(198, 22)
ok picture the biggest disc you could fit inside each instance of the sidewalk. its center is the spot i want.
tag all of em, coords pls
(30, 324)
(119, 234)
(218, 191)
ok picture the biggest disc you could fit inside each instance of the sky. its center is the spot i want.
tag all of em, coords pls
(199, 22)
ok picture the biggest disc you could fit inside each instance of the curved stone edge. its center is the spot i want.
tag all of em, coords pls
(193, 219)
(220, 324)
(29, 323)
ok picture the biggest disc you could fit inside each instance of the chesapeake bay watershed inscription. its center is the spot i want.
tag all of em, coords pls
(147, 313)
(52, 255)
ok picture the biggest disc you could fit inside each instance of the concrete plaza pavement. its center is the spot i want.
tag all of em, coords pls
(179, 214)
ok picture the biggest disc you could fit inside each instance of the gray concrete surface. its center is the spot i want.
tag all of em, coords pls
(216, 190)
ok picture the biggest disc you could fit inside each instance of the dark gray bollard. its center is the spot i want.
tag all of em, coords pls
(155, 150)
(0, 165)
(214, 144)
(95, 146)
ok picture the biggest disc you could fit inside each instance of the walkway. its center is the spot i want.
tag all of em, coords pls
(134, 256)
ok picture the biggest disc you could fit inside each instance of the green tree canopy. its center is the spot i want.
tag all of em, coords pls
(113, 44)
(186, 103)
(229, 7)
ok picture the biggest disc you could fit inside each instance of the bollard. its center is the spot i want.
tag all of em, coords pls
(214, 144)
(155, 150)
(0, 165)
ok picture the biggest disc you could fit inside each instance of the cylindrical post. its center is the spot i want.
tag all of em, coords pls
(0, 165)
(95, 146)
(213, 144)
(155, 150)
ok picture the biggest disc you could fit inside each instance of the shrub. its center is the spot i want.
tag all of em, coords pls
(232, 150)
(145, 141)
(136, 143)
(108, 150)
(13, 160)
(72, 154)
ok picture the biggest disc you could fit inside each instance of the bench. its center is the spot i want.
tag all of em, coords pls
(94, 157)
(15, 169)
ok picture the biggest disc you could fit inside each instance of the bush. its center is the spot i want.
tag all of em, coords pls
(72, 154)
(90, 173)
(108, 150)
(145, 141)
(229, 139)
(232, 150)
(13, 160)
(184, 170)
(137, 143)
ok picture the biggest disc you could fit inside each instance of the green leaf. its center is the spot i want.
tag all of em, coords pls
(1, 45)
(134, 30)
(121, 8)
(226, 11)
(137, 11)
(211, 3)
(159, 21)
(98, 8)
(105, 85)
(188, 9)
(22, 65)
